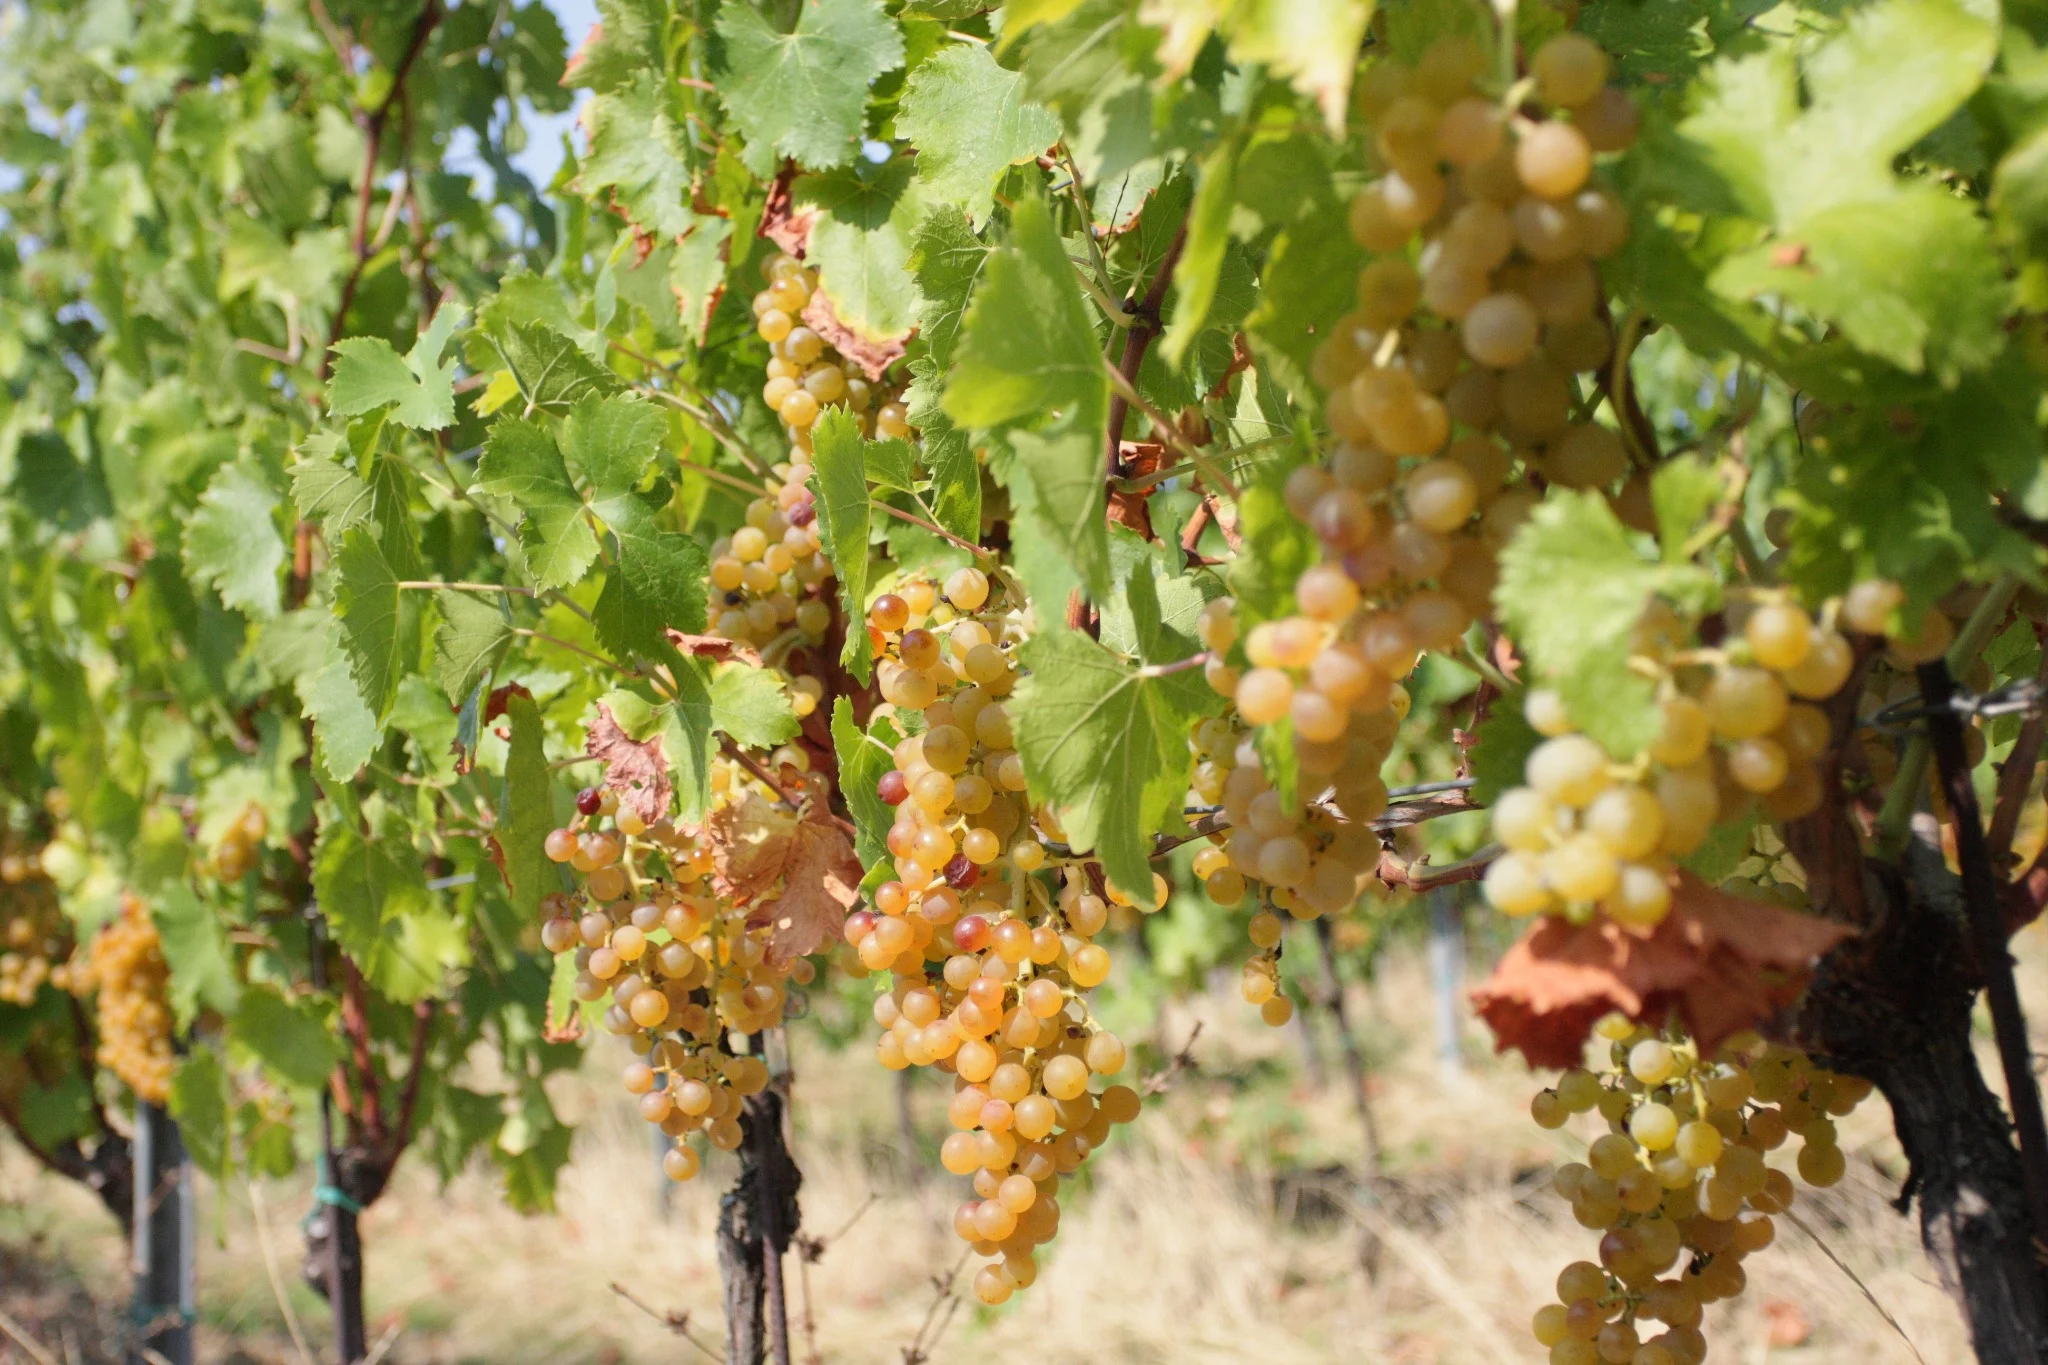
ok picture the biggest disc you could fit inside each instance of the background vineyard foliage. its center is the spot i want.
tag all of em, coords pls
(276, 377)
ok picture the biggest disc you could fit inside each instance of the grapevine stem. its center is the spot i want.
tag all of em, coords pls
(1128, 393)
(934, 528)
(1895, 818)
(559, 643)
(433, 585)
(1987, 934)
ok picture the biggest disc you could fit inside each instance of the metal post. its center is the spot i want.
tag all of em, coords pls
(1447, 975)
(165, 1287)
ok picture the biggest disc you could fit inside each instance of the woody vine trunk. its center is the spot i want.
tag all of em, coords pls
(1894, 1005)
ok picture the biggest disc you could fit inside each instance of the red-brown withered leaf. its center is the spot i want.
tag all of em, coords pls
(1722, 962)
(636, 769)
(821, 882)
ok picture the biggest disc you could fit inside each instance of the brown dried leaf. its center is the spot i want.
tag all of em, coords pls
(751, 841)
(636, 769)
(782, 222)
(873, 356)
(714, 647)
(821, 883)
(1723, 962)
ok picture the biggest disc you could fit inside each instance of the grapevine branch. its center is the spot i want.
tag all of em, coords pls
(1137, 337)
(1987, 934)
(372, 123)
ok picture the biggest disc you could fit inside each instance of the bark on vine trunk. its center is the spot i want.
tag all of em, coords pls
(1894, 1006)
(757, 1220)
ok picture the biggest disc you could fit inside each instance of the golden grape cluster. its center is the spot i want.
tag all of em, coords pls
(1738, 724)
(991, 969)
(770, 583)
(1680, 1175)
(805, 375)
(238, 849)
(126, 969)
(1453, 380)
(682, 969)
(35, 938)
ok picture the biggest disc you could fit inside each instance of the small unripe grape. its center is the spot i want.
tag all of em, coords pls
(1471, 131)
(1742, 703)
(1264, 696)
(1548, 1110)
(1547, 231)
(1544, 709)
(1569, 69)
(1388, 290)
(1779, 635)
(1515, 885)
(1868, 605)
(1553, 159)
(1326, 593)
(1684, 733)
(1500, 330)
(1758, 765)
(1820, 674)
(1641, 896)
(1277, 1011)
(1440, 496)
(1654, 1126)
(1582, 868)
(1570, 769)
(1524, 820)
(1652, 1061)
(1928, 642)
(1588, 456)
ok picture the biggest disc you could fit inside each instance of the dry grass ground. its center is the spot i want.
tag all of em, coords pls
(1226, 1226)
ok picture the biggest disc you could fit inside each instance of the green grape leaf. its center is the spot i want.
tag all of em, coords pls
(363, 885)
(948, 259)
(520, 463)
(613, 441)
(1297, 304)
(629, 40)
(639, 157)
(1682, 492)
(1028, 345)
(739, 700)
(1572, 588)
(291, 1040)
(328, 491)
(366, 597)
(1277, 549)
(839, 481)
(531, 1172)
(345, 730)
(1201, 260)
(803, 94)
(526, 813)
(861, 243)
(199, 1102)
(419, 389)
(1500, 747)
(473, 630)
(1106, 741)
(1029, 352)
(195, 948)
(861, 765)
(947, 453)
(232, 541)
(658, 582)
(552, 373)
(969, 121)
